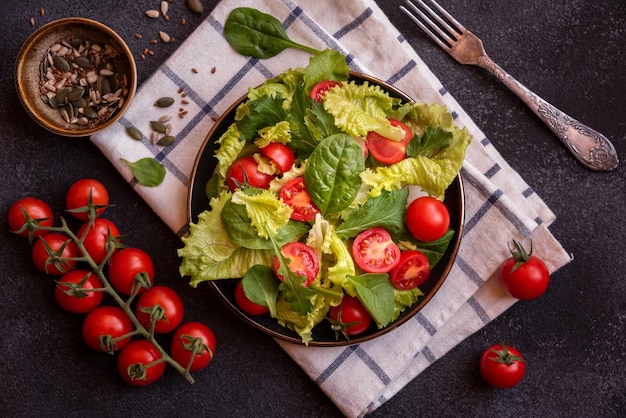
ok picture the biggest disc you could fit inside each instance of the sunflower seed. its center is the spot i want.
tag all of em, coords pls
(164, 7)
(152, 14)
(195, 6)
(164, 37)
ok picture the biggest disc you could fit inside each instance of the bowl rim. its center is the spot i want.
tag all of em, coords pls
(21, 67)
(453, 247)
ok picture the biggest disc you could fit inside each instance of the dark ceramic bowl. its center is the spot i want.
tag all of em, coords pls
(32, 64)
(323, 335)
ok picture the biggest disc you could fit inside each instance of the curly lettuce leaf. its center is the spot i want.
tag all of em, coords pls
(281, 132)
(361, 108)
(267, 213)
(230, 146)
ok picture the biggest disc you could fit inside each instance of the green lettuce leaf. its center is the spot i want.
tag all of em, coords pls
(267, 213)
(327, 65)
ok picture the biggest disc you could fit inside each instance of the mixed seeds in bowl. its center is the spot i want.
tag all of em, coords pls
(86, 81)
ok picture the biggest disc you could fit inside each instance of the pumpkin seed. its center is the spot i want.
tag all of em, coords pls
(61, 63)
(76, 93)
(195, 6)
(158, 126)
(80, 102)
(62, 95)
(164, 102)
(166, 140)
(82, 62)
(134, 133)
(90, 112)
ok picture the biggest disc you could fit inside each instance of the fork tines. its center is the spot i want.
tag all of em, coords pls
(439, 25)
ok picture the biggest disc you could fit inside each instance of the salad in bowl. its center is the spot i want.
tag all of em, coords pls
(330, 201)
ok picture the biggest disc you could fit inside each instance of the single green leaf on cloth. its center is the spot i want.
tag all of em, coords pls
(148, 171)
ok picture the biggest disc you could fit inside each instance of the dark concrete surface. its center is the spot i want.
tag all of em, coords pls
(571, 52)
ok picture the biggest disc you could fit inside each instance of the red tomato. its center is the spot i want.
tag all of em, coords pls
(319, 90)
(502, 366)
(280, 154)
(246, 304)
(304, 261)
(388, 151)
(125, 265)
(136, 363)
(350, 316)
(524, 275)
(427, 218)
(295, 195)
(105, 321)
(36, 210)
(54, 253)
(245, 171)
(412, 270)
(168, 305)
(96, 236)
(193, 339)
(86, 196)
(374, 251)
(79, 298)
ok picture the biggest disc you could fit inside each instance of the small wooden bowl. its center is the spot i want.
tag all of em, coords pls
(30, 74)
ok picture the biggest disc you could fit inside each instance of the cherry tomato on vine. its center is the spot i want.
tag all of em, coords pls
(84, 196)
(96, 236)
(412, 270)
(193, 337)
(246, 171)
(427, 218)
(54, 253)
(388, 151)
(74, 293)
(37, 210)
(280, 154)
(374, 251)
(523, 275)
(105, 321)
(169, 302)
(502, 366)
(304, 261)
(125, 265)
(246, 305)
(319, 90)
(296, 196)
(136, 363)
(350, 316)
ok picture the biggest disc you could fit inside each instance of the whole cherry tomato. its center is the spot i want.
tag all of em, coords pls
(36, 210)
(54, 253)
(165, 304)
(138, 363)
(74, 291)
(126, 265)
(193, 339)
(245, 171)
(524, 275)
(104, 324)
(97, 236)
(246, 304)
(502, 366)
(427, 218)
(86, 196)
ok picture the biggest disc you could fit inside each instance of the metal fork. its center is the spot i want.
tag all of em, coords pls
(590, 147)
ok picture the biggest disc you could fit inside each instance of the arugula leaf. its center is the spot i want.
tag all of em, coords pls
(261, 287)
(429, 144)
(302, 139)
(251, 32)
(387, 211)
(433, 250)
(264, 111)
(332, 174)
(376, 293)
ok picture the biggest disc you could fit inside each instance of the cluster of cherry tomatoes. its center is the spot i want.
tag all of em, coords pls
(79, 263)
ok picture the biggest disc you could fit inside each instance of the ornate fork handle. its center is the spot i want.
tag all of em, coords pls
(589, 146)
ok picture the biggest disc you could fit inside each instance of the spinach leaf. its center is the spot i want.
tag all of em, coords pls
(386, 211)
(430, 143)
(256, 34)
(376, 293)
(148, 171)
(433, 250)
(261, 287)
(332, 173)
(327, 65)
(241, 232)
(264, 111)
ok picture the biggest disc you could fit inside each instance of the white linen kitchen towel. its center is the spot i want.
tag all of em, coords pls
(500, 206)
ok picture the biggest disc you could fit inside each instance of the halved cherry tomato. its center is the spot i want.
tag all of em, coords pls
(280, 154)
(246, 171)
(386, 150)
(304, 261)
(246, 304)
(295, 195)
(318, 90)
(412, 270)
(37, 210)
(374, 251)
(427, 218)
